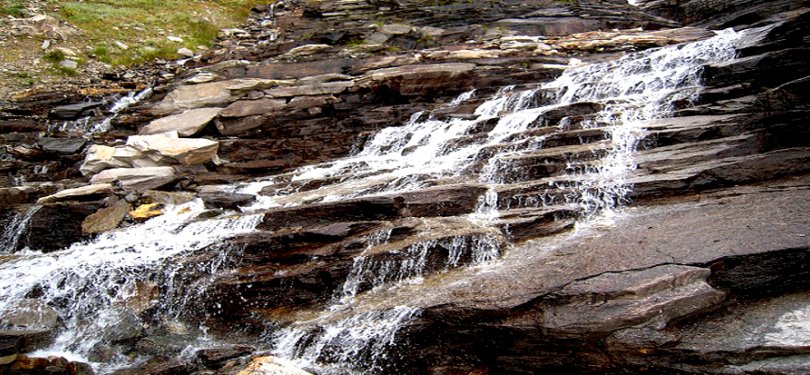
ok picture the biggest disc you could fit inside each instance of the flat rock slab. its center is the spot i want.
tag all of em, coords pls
(185, 124)
(137, 179)
(62, 145)
(94, 191)
(612, 301)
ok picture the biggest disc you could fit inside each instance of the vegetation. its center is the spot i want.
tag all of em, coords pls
(127, 32)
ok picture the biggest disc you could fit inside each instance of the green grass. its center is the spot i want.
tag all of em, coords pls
(143, 25)
(14, 8)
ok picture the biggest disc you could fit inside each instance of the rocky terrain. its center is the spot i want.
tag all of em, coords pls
(424, 187)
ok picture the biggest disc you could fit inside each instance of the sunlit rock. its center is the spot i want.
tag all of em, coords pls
(269, 365)
(168, 148)
(147, 211)
(185, 124)
(211, 94)
(137, 179)
(95, 190)
(106, 218)
(99, 158)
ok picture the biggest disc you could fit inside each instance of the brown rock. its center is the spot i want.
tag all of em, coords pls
(106, 218)
(90, 192)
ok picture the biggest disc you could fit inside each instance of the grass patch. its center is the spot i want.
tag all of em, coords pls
(144, 25)
(14, 8)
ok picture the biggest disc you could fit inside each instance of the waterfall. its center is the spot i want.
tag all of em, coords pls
(629, 91)
(97, 288)
(88, 126)
(15, 229)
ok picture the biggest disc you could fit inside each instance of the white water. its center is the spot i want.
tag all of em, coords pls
(89, 127)
(15, 229)
(89, 284)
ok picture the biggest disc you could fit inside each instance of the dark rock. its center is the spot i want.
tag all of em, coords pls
(73, 111)
(216, 357)
(362, 209)
(226, 200)
(56, 226)
(62, 145)
(27, 340)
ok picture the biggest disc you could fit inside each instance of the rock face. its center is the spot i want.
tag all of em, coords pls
(320, 220)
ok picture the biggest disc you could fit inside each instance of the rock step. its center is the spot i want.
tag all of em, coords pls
(448, 200)
(314, 266)
(520, 224)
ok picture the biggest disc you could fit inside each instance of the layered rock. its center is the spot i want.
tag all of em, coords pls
(684, 281)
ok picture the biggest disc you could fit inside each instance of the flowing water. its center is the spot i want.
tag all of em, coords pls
(92, 285)
(15, 229)
(89, 126)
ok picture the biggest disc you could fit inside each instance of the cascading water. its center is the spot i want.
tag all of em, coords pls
(15, 229)
(89, 285)
(95, 287)
(630, 91)
(88, 126)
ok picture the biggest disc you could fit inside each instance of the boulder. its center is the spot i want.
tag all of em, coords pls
(106, 218)
(58, 225)
(308, 49)
(11, 196)
(26, 340)
(90, 192)
(99, 158)
(326, 88)
(269, 365)
(185, 124)
(50, 365)
(169, 148)
(137, 179)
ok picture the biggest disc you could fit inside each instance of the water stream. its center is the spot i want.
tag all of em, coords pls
(92, 285)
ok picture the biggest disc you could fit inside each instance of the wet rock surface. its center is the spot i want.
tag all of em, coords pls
(703, 272)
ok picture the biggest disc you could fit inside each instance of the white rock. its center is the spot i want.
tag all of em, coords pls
(396, 29)
(137, 179)
(121, 45)
(185, 52)
(99, 158)
(167, 147)
(70, 64)
(185, 124)
(175, 39)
